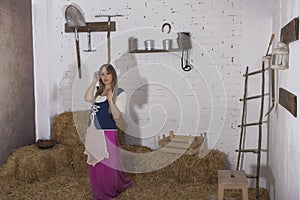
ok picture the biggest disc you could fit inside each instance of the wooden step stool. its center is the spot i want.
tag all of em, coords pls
(232, 179)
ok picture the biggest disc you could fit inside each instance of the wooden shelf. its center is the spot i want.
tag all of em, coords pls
(93, 26)
(154, 51)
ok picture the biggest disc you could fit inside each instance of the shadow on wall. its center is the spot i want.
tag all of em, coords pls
(271, 184)
(262, 177)
(137, 89)
(66, 87)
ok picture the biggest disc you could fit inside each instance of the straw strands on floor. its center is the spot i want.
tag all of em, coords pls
(61, 172)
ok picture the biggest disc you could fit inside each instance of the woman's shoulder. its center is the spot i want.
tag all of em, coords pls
(120, 91)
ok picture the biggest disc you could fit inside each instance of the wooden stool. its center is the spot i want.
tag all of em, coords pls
(232, 179)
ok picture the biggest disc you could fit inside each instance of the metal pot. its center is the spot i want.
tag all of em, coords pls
(149, 44)
(168, 44)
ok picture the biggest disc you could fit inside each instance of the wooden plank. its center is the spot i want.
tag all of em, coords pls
(192, 151)
(290, 32)
(288, 101)
(172, 150)
(93, 26)
(175, 150)
(181, 143)
(183, 138)
(178, 145)
(193, 141)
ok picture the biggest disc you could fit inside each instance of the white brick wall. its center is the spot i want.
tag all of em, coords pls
(161, 96)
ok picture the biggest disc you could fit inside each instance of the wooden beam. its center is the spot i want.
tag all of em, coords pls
(290, 32)
(288, 101)
(93, 26)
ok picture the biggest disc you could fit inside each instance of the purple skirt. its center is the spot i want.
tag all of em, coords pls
(106, 177)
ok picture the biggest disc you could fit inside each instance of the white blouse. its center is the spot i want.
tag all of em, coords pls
(120, 101)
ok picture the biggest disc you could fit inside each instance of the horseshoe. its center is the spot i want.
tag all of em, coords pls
(163, 26)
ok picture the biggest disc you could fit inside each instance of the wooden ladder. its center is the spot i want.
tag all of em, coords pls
(241, 150)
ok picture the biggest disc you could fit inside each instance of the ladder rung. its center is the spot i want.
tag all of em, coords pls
(248, 150)
(255, 72)
(253, 124)
(251, 176)
(254, 97)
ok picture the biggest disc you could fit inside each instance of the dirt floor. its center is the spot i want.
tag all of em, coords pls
(61, 172)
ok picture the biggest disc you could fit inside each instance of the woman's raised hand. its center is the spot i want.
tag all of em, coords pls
(96, 77)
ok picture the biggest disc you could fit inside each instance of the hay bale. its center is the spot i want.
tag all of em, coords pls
(121, 137)
(31, 164)
(62, 172)
(65, 186)
(185, 169)
(199, 180)
(81, 122)
(192, 169)
(135, 148)
(129, 160)
(79, 160)
(69, 136)
(8, 169)
(69, 128)
(168, 190)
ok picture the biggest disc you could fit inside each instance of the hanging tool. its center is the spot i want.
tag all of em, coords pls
(108, 34)
(74, 18)
(272, 79)
(270, 43)
(185, 60)
(184, 42)
(108, 42)
(89, 42)
(273, 91)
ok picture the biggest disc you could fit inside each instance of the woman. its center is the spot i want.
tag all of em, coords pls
(105, 168)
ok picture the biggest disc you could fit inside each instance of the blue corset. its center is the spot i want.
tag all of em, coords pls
(102, 119)
(99, 113)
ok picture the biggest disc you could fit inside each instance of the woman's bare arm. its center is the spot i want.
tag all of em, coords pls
(89, 94)
(113, 108)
